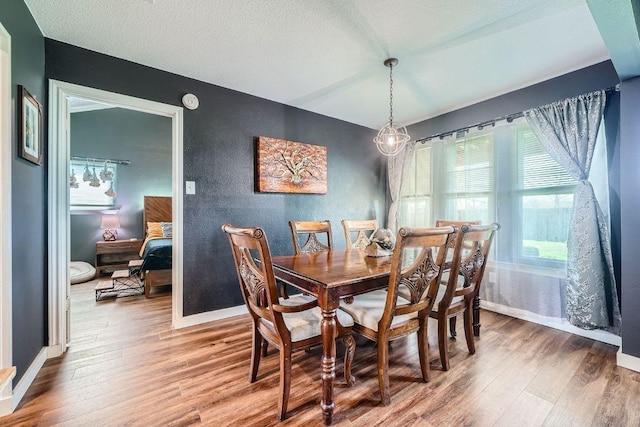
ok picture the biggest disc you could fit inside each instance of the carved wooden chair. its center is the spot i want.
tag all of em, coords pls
(290, 325)
(455, 296)
(384, 315)
(447, 266)
(358, 226)
(312, 229)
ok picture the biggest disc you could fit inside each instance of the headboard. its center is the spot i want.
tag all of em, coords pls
(156, 209)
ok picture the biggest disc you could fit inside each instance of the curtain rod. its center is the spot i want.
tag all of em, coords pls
(95, 160)
(509, 118)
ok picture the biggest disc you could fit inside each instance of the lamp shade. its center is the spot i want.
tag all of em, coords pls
(110, 221)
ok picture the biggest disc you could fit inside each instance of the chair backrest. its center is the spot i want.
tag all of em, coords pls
(419, 280)
(445, 222)
(257, 280)
(312, 229)
(470, 255)
(359, 226)
(458, 225)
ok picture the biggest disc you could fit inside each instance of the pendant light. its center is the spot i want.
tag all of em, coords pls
(392, 137)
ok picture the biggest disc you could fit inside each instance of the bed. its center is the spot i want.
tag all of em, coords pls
(157, 249)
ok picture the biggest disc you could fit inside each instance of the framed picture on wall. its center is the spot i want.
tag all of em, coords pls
(290, 167)
(29, 127)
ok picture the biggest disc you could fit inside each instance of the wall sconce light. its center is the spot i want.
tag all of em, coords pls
(110, 223)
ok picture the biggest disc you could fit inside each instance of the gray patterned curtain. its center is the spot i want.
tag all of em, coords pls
(568, 131)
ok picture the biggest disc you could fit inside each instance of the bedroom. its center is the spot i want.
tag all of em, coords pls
(218, 137)
(118, 157)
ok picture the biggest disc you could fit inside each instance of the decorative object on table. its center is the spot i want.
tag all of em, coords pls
(383, 241)
(29, 127)
(290, 167)
(110, 224)
(392, 138)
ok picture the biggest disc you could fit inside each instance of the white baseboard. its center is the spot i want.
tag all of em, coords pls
(6, 406)
(210, 316)
(54, 351)
(27, 379)
(563, 325)
(628, 361)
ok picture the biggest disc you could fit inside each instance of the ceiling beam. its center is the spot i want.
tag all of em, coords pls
(617, 21)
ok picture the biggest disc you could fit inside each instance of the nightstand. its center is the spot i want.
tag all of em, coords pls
(115, 255)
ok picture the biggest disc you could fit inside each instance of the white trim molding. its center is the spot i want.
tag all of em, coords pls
(6, 346)
(210, 316)
(25, 381)
(598, 335)
(627, 361)
(59, 253)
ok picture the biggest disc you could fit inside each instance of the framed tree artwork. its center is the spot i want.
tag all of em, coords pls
(290, 167)
(29, 127)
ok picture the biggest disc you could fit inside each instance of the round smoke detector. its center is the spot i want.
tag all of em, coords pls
(190, 101)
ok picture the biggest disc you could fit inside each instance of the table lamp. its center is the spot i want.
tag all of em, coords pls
(110, 223)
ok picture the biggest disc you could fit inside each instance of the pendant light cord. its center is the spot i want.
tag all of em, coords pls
(391, 95)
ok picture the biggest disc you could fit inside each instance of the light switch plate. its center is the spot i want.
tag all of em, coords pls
(191, 187)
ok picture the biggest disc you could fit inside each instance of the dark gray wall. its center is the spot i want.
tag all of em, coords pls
(219, 155)
(630, 196)
(28, 192)
(599, 76)
(116, 133)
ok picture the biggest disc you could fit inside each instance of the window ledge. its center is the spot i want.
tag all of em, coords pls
(92, 210)
(559, 273)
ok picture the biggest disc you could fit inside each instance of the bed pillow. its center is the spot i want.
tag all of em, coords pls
(154, 229)
(167, 229)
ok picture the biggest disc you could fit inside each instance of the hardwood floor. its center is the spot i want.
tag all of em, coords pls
(125, 366)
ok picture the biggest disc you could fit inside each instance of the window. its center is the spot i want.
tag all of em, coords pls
(544, 196)
(415, 202)
(469, 179)
(92, 184)
(500, 174)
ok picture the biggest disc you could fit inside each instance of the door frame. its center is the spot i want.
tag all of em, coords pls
(59, 234)
(6, 343)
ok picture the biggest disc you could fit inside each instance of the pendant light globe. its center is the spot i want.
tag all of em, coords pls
(392, 138)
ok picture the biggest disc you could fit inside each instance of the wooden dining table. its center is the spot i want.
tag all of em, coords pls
(331, 276)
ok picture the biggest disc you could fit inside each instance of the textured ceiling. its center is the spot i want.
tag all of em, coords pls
(327, 56)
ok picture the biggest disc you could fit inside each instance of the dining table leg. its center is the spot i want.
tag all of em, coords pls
(329, 330)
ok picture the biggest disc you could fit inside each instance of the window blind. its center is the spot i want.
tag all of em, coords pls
(472, 171)
(535, 167)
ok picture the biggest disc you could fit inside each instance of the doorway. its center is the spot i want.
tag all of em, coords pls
(59, 212)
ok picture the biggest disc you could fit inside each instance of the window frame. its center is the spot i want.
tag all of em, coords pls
(504, 199)
(93, 164)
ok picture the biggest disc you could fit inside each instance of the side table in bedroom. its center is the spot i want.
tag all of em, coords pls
(115, 255)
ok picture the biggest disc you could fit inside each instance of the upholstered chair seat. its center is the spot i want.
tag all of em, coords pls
(367, 309)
